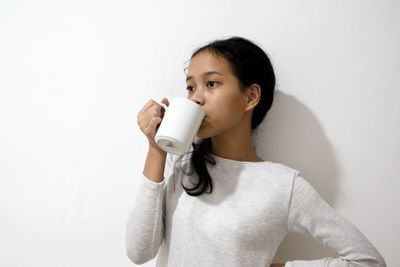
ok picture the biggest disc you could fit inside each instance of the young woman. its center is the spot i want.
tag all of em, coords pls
(221, 204)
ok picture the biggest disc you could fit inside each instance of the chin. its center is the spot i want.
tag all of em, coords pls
(204, 135)
(206, 131)
(201, 134)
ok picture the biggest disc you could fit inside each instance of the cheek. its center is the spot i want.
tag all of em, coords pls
(224, 109)
(217, 122)
(224, 117)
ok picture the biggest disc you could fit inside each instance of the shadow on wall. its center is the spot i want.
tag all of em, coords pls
(292, 135)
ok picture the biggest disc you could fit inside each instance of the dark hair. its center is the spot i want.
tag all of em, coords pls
(251, 65)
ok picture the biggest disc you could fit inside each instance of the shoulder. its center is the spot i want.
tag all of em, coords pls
(282, 170)
(300, 187)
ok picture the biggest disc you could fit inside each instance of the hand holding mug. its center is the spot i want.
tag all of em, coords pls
(149, 117)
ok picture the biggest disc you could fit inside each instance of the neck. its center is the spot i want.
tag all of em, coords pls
(235, 146)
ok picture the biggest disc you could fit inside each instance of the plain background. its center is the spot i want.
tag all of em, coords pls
(74, 74)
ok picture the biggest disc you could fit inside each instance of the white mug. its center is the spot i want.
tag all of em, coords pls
(179, 126)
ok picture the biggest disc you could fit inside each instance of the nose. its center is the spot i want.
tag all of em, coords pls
(198, 96)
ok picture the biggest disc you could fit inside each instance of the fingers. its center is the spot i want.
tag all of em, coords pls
(150, 130)
(149, 103)
(150, 116)
(150, 109)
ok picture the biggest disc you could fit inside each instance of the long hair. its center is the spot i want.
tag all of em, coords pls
(251, 65)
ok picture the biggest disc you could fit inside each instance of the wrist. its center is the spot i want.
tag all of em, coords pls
(154, 165)
(155, 150)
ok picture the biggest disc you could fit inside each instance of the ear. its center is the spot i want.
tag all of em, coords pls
(253, 95)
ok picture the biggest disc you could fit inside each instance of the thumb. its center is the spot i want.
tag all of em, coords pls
(165, 101)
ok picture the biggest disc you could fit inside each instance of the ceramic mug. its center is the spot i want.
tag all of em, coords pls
(179, 126)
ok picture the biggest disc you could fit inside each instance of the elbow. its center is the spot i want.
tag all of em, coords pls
(380, 262)
(139, 248)
(140, 253)
(376, 261)
(137, 257)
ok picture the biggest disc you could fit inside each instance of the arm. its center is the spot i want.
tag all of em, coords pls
(310, 214)
(145, 226)
(148, 119)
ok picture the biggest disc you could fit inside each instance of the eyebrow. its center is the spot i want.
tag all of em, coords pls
(205, 74)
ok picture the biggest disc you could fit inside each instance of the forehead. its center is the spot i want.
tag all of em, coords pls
(207, 62)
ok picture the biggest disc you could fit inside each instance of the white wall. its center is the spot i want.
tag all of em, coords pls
(74, 74)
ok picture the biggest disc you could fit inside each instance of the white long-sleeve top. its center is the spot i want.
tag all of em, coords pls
(241, 223)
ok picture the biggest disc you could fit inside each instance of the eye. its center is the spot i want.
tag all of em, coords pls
(189, 88)
(212, 84)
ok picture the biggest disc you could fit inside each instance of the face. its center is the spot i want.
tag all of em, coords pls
(211, 83)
